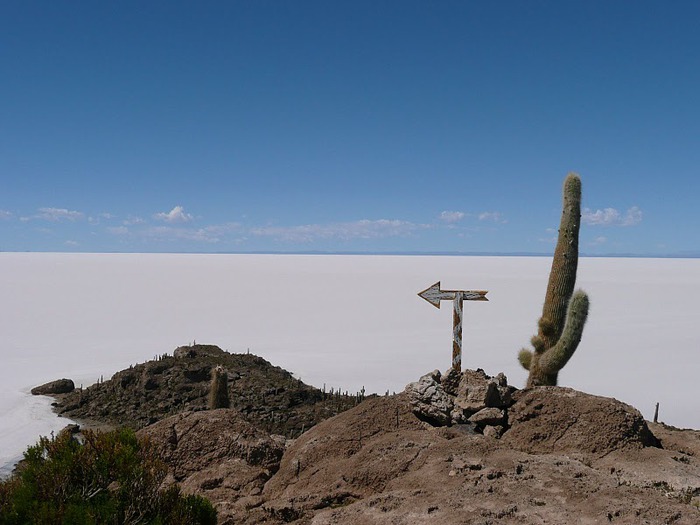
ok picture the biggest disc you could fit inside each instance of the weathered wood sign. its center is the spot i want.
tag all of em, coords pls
(434, 295)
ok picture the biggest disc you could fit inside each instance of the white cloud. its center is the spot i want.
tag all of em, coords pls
(177, 214)
(118, 230)
(168, 233)
(209, 234)
(492, 216)
(362, 229)
(99, 217)
(5, 214)
(132, 220)
(612, 217)
(599, 240)
(57, 215)
(632, 217)
(223, 229)
(72, 243)
(450, 217)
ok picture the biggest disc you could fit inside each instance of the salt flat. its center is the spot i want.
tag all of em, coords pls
(343, 321)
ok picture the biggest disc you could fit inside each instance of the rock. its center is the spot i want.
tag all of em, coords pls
(429, 401)
(477, 391)
(198, 374)
(198, 351)
(71, 429)
(459, 416)
(450, 381)
(493, 431)
(60, 386)
(467, 427)
(556, 419)
(489, 416)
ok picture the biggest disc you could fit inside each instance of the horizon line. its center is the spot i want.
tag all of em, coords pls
(443, 253)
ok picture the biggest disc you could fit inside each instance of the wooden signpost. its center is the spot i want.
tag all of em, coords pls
(434, 295)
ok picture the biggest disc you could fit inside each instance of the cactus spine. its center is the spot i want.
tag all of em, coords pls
(564, 312)
(218, 391)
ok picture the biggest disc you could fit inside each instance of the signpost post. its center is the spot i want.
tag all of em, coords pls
(434, 295)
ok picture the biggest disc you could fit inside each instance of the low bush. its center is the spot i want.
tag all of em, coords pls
(110, 478)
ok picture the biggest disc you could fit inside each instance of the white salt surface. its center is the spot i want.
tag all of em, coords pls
(342, 321)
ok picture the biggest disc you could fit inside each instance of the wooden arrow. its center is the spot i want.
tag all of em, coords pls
(434, 295)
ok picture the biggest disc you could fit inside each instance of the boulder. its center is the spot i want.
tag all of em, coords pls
(429, 401)
(489, 416)
(198, 351)
(450, 381)
(493, 431)
(553, 419)
(60, 386)
(71, 429)
(477, 391)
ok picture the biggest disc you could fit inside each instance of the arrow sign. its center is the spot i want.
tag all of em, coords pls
(434, 295)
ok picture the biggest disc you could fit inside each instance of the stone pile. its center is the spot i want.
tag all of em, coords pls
(471, 400)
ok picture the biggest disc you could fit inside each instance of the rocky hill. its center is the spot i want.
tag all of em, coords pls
(266, 395)
(461, 448)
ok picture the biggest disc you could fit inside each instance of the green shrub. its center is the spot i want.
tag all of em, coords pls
(111, 478)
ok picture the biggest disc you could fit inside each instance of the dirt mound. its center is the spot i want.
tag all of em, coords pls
(379, 464)
(555, 420)
(266, 395)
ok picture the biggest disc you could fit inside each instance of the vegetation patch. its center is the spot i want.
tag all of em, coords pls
(113, 477)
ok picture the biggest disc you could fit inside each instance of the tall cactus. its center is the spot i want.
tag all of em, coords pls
(218, 390)
(564, 313)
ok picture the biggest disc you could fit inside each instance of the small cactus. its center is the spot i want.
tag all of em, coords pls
(218, 391)
(564, 312)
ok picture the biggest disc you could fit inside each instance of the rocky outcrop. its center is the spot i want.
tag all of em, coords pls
(266, 395)
(536, 420)
(219, 455)
(60, 386)
(554, 419)
(192, 351)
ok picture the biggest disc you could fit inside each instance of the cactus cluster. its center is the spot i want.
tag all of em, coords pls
(218, 391)
(565, 312)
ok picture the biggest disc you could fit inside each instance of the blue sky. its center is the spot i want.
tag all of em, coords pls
(348, 126)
